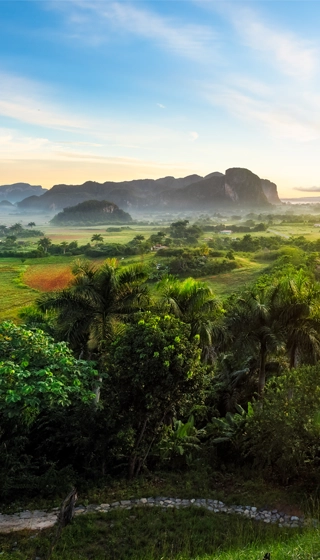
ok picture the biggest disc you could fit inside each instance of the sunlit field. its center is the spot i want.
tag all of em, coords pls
(83, 235)
(223, 284)
(22, 280)
(14, 294)
(48, 277)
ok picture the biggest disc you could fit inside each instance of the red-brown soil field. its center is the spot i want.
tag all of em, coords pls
(47, 278)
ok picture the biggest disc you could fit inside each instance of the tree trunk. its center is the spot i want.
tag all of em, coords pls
(293, 357)
(134, 457)
(262, 371)
(97, 391)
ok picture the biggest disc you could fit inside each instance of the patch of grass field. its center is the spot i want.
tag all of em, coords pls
(14, 294)
(155, 534)
(225, 284)
(20, 284)
(83, 235)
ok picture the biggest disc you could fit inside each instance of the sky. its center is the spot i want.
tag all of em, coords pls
(117, 90)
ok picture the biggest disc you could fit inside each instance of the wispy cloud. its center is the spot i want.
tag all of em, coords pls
(285, 115)
(26, 101)
(197, 42)
(294, 56)
(58, 133)
(307, 189)
(16, 146)
(161, 106)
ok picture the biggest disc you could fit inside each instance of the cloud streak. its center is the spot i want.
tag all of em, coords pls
(16, 146)
(286, 116)
(195, 42)
(307, 189)
(33, 107)
(294, 56)
(291, 54)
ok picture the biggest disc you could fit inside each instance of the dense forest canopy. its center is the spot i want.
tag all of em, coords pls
(136, 367)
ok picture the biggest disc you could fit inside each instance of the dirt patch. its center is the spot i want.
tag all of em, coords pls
(48, 278)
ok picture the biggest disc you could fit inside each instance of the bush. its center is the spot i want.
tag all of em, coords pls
(283, 435)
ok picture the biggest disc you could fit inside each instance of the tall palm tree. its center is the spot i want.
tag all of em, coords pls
(298, 300)
(89, 308)
(194, 303)
(44, 244)
(97, 237)
(253, 321)
(64, 245)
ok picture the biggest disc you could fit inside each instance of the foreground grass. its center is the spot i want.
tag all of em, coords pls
(234, 488)
(156, 534)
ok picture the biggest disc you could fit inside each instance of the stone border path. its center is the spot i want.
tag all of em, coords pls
(37, 520)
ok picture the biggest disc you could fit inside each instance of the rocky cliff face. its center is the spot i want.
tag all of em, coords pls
(237, 187)
(271, 191)
(244, 187)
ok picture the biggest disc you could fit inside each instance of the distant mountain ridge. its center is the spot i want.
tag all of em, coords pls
(18, 191)
(237, 187)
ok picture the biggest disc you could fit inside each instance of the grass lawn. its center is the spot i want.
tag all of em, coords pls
(224, 284)
(156, 534)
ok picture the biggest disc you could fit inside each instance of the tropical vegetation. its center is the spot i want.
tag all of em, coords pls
(131, 372)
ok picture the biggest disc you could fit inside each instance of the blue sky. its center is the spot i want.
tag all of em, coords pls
(117, 90)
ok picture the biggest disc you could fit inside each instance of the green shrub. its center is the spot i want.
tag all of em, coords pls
(283, 435)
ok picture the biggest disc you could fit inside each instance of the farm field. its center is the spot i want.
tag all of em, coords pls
(286, 231)
(47, 277)
(14, 294)
(20, 283)
(83, 235)
(223, 284)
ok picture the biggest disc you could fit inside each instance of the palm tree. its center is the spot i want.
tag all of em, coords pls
(89, 309)
(97, 237)
(44, 244)
(64, 245)
(253, 321)
(194, 303)
(16, 229)
(31, 224)
(298, 300)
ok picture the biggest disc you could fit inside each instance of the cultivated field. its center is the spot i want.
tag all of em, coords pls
(22, 281)
(14, 294)
(223, 284)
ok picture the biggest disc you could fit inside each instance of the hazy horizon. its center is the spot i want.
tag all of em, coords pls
(118, 90)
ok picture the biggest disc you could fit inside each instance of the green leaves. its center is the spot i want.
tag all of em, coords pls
(36, 373)
(154, 372)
